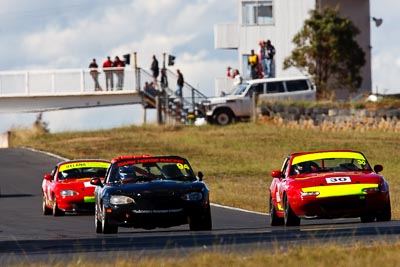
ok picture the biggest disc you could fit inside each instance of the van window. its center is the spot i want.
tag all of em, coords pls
(297, 85)
(258, 88)
(275, 87)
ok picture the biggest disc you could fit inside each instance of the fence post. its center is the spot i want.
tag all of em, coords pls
(82, 81)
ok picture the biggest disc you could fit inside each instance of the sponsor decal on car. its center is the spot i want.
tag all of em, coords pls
(82, 164)
(335, 180)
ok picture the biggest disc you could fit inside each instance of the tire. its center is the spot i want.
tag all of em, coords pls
(290, 219)
(56, 210)
(45, 209)
(223, 117)
(367, 218)
(202, 222)
(386, 214)
(97, 223)
(274, 219)
(105, 224)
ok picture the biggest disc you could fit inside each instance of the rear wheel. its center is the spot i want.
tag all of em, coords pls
(274, 219)
(45, 209)
(105, 224)
(290, 219)
(223, 117)
(201, 222)
(386, 214)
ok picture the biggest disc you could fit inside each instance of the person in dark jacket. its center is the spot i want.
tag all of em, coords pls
(180, 81)
(155, 69)
(95, 74)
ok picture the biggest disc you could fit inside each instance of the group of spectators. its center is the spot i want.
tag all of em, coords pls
(262, 65)
(155, 69)
(110, 69)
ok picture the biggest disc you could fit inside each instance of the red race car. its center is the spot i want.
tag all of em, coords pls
(328, 184)
(68, 188)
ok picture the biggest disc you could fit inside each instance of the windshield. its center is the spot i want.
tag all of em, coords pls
(82, 169)
(329, 161)
(149, 169)
(239, 89)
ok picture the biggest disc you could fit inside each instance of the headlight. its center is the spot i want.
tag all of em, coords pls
(194, 196)
(121, 200)
(308, 194)
(68, 193)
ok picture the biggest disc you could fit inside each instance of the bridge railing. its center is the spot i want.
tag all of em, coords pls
(62, 81)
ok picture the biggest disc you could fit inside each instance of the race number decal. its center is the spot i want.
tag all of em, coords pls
(183, 166)
(335, 180)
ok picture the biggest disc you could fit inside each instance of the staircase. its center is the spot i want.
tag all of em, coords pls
(173, 108)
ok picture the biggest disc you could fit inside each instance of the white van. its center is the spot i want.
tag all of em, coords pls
(238, 104)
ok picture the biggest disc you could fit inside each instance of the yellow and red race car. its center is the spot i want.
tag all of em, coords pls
(68, 188)
(328, 184)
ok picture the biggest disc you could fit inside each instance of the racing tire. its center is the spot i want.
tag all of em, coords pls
(367, 218)
(202, 222)
(106, 227)
(97, 223)
(290, 219)
(56, 211)
(45, 209)
(274, 219)
(223, 117)
(386, 214)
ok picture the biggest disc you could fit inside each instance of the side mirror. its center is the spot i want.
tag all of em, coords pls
(200, 175)
(96, 181)
(276, 174)
(378, 168)
(48, 177)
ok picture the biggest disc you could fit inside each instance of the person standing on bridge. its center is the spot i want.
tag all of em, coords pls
(155, 69)
(95, 75)
(109, 73)
(119, 71)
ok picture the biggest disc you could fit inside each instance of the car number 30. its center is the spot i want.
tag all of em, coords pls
(333, 180)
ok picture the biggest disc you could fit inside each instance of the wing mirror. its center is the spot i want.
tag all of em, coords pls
(200, 175)
(96, 181)
(378, 168)
(276, 174)
(48, 177)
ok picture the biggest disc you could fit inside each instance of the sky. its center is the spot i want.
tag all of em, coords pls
(69, 33)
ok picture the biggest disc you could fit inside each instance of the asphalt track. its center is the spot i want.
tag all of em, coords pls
(28, 236)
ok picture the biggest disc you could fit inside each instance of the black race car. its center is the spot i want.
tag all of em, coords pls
(151, 191)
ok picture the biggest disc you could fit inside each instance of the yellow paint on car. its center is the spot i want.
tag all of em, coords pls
(339, 190)
(327, 155)
(84, 164)
(88, 199)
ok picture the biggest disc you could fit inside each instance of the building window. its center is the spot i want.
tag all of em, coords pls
(257, 12)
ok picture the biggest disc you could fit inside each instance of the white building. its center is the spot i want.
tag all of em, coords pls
(279, 21)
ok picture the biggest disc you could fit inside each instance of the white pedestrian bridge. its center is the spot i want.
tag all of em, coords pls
(44, 90)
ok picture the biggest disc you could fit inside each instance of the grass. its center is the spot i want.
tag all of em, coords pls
(237, 161)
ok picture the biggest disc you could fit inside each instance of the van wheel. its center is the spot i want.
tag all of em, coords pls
(223, 117)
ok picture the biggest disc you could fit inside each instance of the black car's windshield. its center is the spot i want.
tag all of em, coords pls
(154, 169)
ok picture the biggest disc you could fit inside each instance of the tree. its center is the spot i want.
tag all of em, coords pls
(326, 49)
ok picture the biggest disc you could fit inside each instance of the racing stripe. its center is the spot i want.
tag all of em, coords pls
(327, 155)
(88, 199)
(339, 190)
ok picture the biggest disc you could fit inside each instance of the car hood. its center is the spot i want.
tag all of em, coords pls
(158, 187)
(227, 98)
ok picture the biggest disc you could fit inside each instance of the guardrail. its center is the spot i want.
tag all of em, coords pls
(45, 82)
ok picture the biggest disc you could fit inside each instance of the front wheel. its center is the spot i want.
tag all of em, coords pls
(97, 223)
(56, 210)
(105, 224)
(290, 218)
(223, 117)
(202, 222)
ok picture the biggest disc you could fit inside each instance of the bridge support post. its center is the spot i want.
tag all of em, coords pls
(159, 112)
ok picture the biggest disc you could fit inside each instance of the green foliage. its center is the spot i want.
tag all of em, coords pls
(327, 50)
